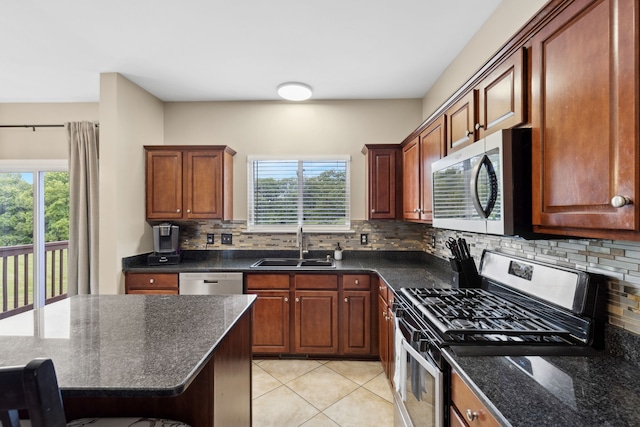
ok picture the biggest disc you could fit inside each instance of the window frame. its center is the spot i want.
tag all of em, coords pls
(289, 228)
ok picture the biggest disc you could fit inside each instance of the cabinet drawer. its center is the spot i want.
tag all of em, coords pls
(267, 281)
(152, 282)
(468, 405)
(356, 281)
(316, 281)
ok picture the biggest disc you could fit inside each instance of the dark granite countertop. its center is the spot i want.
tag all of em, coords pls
(123, 345)
(399, 269)
(555, 391)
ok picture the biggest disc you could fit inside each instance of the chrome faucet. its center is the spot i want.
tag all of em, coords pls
(300, 240)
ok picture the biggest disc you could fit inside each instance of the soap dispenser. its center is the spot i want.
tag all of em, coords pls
(337, 254)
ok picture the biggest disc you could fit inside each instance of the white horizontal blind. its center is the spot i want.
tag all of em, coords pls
(288, 193)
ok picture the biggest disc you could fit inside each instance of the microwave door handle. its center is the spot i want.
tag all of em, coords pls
(493, 184)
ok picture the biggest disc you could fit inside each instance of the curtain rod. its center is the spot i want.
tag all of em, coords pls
(33, 127)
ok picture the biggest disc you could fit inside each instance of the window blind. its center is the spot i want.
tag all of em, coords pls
(289, 193)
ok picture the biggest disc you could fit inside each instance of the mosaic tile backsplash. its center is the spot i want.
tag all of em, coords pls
(618, 260)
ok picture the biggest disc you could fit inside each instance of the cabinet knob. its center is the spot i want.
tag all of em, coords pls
(297, 299)
(188, 210)
(357, 282)
(479, 126)
(373, 211)
(286, 299)
(620, 201)
(472, 415)
(468, 133)
(346, 300)
(151, 280)
(178, 210)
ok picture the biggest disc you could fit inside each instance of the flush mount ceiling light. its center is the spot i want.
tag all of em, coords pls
(293, 91)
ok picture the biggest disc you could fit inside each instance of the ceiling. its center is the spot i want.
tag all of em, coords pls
(215, 50)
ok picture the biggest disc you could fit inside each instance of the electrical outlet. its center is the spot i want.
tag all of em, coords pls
(209, 238)
(364, 239)
(433, 242)
(226, 239)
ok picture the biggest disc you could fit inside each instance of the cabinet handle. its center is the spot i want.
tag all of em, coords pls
(346, 299)
(472, 415)
(286, 299)
(373, 211)
(188, 210)
(620, 201)
(479, 126)
(151, 280)
(178, 210)
(357, 282)
(468, 133)
(297, 299)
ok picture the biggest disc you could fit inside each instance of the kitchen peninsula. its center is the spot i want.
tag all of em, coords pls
(181, 357)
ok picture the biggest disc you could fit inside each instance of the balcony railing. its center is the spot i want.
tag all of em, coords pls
(17, 276)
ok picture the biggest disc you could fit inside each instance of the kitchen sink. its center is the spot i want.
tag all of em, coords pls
(283, 263)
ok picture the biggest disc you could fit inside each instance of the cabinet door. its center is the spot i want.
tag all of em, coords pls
(271, 322)
(460, 122)
(203, 182)
(432, 148)
(316, 322)
(383, 334)
(382, 183)
(501, 100)
(355, 324)
(411, 180)
(164, 184)
(585, 119)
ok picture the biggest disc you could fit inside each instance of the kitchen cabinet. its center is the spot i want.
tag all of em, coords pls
(466, 409)
(495, 103)
(189, 182)
(585, 112)
(386, 328)
(151, 283)
(316, 314)
(355, 314)
(270, 312)
(383, 195)
(418, 155)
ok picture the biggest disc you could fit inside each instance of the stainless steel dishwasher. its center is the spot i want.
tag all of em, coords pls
(210, 283)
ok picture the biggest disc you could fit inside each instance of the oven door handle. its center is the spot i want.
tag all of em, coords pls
(424, 362)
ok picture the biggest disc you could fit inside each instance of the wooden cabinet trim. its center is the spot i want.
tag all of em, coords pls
(316, 281)
(463, 398)
(266, 281)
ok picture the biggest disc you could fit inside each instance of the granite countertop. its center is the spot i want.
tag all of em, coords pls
(123, 345)
(555, 391)
(397, 268)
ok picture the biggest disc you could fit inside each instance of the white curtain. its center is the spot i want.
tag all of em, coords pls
(83, 208)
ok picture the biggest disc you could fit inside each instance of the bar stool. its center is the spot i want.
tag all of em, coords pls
(34, 387)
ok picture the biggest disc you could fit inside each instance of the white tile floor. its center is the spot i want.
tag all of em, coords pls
(313, 393)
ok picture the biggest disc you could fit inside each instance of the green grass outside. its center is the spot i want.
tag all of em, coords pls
(21, 279)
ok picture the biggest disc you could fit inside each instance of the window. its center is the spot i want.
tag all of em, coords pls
(286, 193)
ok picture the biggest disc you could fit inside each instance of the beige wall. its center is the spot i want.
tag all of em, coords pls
(44, 143)
(284, 128)
(507, 19)
(130, 117)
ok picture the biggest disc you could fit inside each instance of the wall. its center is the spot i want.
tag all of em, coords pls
(44, 143)
(507, 19)
(130, 118)
(285, 128)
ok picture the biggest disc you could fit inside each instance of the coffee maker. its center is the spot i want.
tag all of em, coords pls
(165, 245)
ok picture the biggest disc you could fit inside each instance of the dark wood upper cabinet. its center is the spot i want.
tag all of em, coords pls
(461, 119)
(585, 120)
(501, 96)
(411, 180)
(189, 182)
(383, 194)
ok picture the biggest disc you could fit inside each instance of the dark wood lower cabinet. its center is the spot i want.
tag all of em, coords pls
(271, 322)
(355, 323)
(316, 322)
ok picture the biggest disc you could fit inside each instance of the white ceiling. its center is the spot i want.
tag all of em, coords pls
(208, 50)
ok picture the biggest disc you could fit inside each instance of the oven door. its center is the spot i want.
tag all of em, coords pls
(419, 395)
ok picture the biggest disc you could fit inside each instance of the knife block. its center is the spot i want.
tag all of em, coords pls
(465, 274)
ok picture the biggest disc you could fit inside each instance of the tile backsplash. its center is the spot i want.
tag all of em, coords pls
(618, 260)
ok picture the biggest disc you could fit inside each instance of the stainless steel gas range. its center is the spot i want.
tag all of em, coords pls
(521, 308)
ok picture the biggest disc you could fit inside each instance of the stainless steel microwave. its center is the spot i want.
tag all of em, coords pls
(486, 186)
